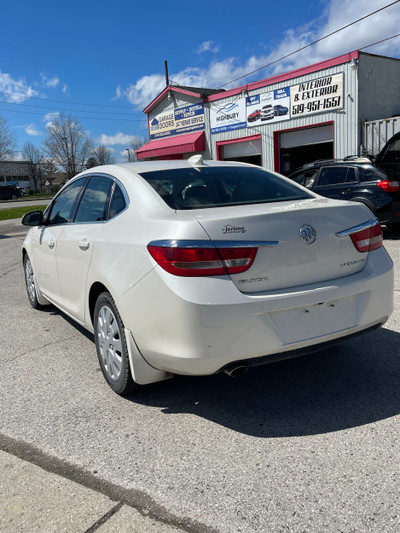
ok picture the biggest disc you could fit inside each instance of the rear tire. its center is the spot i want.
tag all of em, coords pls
(111, 345)
(30, 283)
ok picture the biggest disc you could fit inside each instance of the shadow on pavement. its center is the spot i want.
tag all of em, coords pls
(349, 385)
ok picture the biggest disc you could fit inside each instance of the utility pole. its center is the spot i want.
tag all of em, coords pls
(166, 73)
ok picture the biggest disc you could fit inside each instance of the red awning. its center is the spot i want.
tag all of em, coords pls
(181, 144)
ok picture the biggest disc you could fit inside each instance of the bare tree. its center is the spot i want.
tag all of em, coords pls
(67, 144)
(103, 155)
(7, 140)
(136, 143)
(34, 157)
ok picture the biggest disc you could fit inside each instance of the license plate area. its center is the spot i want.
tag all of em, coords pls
(317, 320)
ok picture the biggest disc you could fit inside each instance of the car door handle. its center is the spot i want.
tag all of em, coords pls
(51, 244)
(84, 245)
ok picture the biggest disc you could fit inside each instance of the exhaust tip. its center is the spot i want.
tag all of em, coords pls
(236, 371)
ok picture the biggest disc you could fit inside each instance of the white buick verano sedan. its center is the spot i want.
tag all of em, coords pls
(196, 267)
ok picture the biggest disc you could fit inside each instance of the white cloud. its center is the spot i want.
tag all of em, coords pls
(118, 93)
(337, 14)
(51, 83)
(15, 91)
(207, 46)
(145, 89)
(117, 139)
(31, 129)
(50, 117)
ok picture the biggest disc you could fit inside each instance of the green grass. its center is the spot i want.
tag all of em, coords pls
(17, 212)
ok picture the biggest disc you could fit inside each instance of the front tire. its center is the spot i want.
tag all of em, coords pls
(111, 346)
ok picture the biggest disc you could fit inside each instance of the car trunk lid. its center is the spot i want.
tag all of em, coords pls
(297, 242)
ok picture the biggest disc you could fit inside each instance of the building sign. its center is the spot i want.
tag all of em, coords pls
(14, 169)
(268, 107)
(176, 121)
(226, 116)
(317, 96)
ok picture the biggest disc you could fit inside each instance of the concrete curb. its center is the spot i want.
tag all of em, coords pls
(33, 499)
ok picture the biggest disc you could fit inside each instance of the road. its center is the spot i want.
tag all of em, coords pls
(9, 204)
(305, 445)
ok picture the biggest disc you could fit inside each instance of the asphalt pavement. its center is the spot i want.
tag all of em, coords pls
(23, 202)
(307, 445)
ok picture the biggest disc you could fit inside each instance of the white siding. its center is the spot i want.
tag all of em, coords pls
(346, 131)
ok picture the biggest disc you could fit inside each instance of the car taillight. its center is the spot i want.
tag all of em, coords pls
(198, 259)
(368, 239)
(388, 185)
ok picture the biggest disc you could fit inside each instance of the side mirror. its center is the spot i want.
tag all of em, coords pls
(33, 218)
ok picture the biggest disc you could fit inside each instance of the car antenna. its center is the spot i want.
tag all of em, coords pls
(196, 160)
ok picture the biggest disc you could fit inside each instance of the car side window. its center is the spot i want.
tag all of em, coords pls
(306, 178)
(118, 202)
(63, 206)
(392, 153)
(93, 206)
(370, 174)
(351, 176)
(332, 175)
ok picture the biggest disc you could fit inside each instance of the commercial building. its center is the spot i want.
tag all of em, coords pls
(15, 173)
(318, 111)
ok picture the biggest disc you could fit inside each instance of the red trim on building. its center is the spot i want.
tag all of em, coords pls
(158, 98)
(220, 144)
(346, 58)
(181, 144)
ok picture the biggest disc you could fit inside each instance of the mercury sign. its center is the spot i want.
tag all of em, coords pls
(317, 96)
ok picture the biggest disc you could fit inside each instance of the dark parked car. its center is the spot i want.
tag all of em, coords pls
(389, 158)
(354, 179)
(9, 192)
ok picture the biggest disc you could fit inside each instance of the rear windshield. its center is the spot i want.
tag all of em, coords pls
(203, 187)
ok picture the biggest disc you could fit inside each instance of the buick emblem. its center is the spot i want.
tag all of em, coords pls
(308, 234)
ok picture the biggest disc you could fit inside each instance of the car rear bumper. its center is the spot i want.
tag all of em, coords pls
(198, 326)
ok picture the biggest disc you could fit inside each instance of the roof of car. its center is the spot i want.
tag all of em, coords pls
(349, 160)
(148, 166)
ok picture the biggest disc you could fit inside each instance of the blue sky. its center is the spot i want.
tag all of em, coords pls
(103, 63)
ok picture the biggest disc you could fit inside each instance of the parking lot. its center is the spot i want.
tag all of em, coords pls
(304, 445)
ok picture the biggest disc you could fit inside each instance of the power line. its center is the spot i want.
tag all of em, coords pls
(310, 44)
(63, 101)
(381, 41)
(140, 114)
(80, 118)
(257, 128)
(62, 109)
